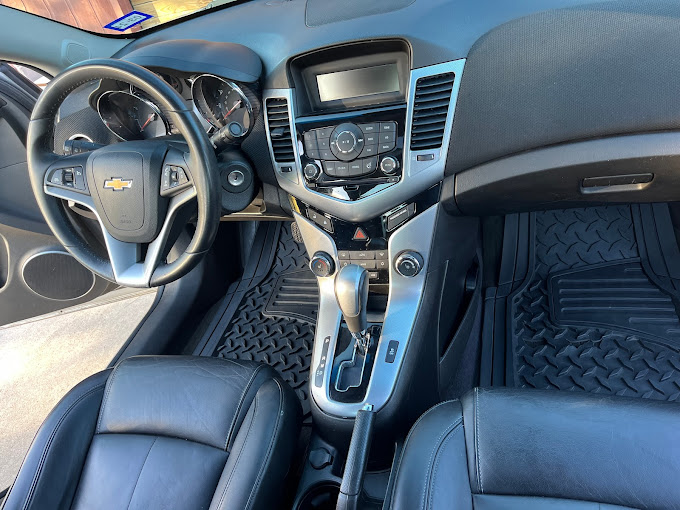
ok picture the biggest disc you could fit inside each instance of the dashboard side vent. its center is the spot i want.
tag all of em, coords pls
(430, 108)
(279, 130)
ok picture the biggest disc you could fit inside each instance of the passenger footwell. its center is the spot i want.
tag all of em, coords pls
(587, 300)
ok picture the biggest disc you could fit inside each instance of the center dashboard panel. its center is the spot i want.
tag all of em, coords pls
(360, 133)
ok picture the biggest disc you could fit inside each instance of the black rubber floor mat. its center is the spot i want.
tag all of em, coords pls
(553, 343)
(613, 296)
(282, 336)
(295, 295)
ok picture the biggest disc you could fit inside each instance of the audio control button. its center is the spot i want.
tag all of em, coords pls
(369, 165)
(356, 169)
(369, 128)
(324, 132)
(369, 150)
(346, 142)
(386, 147)
(329, 168)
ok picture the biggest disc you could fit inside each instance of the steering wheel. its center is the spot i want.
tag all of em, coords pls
(137, 190)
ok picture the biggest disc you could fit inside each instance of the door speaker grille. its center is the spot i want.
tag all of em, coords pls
(57, 275)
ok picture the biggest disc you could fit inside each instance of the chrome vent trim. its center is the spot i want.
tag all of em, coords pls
(430, 110)
(278, 120)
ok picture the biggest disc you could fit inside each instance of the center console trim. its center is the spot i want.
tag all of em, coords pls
(417, 175)
(400, 316)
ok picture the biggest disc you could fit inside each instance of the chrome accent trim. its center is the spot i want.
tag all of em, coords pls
(402, 309)
(128, 269)
(150, 104)
(78, 136)
(417, 175)
(287, 180)
(235, 87)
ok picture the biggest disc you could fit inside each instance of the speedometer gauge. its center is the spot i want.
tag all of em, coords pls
(223, 103)
(131, 117)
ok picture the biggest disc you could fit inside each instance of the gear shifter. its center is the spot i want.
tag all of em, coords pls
(351, 291)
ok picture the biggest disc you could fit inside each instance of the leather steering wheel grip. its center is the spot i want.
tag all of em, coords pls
(201, 159)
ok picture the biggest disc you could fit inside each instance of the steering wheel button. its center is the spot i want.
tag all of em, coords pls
(57, 176)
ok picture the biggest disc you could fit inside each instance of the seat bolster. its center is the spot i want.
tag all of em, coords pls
(163, 395)
(432, 471)
(51, 470)
(262, 450)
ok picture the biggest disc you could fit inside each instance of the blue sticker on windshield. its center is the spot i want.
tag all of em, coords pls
(129, 20)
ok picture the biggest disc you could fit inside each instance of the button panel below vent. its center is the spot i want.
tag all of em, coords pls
(430, 110)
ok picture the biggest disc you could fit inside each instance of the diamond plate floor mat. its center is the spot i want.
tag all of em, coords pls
(587, 300)
(269, 315)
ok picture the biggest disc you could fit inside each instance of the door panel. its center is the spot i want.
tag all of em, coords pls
(37, 275)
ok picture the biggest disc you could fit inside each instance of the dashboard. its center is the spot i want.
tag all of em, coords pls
(355, 111)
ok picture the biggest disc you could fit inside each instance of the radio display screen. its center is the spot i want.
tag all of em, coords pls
(367, 81)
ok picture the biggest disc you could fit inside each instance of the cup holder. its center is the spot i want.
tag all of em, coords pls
(320, 497)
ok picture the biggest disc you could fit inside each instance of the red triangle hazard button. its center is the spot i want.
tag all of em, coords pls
(360, 235)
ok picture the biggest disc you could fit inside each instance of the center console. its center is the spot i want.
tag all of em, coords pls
(360, 143)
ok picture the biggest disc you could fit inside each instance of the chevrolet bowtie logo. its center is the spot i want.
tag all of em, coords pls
(117, 184)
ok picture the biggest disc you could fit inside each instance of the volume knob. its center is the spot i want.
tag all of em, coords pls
(312, 172)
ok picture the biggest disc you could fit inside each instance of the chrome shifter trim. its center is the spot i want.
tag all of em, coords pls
(417, 175)
(402, 309)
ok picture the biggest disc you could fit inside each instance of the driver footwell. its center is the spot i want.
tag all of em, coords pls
(587, 300)
(270, 313)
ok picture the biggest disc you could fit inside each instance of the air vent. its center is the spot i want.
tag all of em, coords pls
(279, 130)
(430, 108)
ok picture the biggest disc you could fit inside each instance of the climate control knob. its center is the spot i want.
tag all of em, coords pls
(389, 165)
(322, 264)
(312, 172)
(408, 263)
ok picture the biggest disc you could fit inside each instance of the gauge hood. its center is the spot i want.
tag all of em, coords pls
(229, 60)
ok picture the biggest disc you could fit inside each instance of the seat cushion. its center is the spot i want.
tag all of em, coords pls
(164, 433)
(507, 448)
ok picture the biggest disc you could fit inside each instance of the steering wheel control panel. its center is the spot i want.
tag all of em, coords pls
(353, 152)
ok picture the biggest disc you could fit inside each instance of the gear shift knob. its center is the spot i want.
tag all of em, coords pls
(351, 291)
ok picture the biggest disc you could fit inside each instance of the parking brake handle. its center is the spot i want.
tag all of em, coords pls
(357, 460)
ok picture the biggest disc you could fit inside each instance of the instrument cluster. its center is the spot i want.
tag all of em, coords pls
(224, 105)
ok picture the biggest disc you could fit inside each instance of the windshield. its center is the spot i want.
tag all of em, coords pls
(113, 16)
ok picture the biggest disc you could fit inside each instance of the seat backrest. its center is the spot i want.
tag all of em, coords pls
(507, 448)
(164, 433)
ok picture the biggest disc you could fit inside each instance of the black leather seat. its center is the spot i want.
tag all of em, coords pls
(515, 449)
(164, 433)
